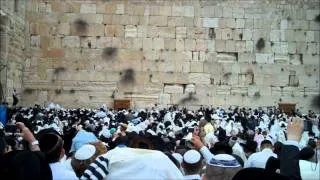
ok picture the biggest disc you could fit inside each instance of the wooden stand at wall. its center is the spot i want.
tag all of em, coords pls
(120, 104)
(287, 107)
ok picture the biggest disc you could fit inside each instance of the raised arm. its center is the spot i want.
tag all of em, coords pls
(28, 136)
(289, 157)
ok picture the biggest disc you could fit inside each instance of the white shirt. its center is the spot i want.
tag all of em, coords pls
(309, 170)
(192, 177)
(259, 159)
(59, 172)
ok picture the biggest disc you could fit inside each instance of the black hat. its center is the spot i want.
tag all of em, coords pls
(250, 146)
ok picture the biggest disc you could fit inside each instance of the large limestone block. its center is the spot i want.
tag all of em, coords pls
(175, 21)
(167, 32)
(129, 20)
(231, 46)
(264, 58)
(165, 10)
(281, 59)
(190, 88)
(211, 22)
(164, 99)
(177, 11)
(239, 90)
(92, 30)
(103, 42)
(227, 34)
(170, 78)
(188, 11)
(196, 66)
(275, 35)
(223, 90)
(247, 34)
(147, 44)
(170, 44)
(114, 31)
(120, 8)
(205, 90)
(226, 58)
(190, 44)
(313, 25)
(227, 23)
(312, 14)
(196, 33)
(88, 8)
(158, 21)
(158, 44)
(71, 41)
(173, 89)
(240, 23)
(280, 47)
(311, 59)
(131, 31)
(199, 78)
(207, 11)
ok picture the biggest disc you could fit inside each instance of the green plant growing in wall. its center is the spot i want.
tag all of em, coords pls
(57, 91)
(260, 44)
(28, 91)
(317, 18)
(257, 95)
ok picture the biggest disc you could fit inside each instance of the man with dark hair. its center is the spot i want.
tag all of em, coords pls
(192, 164)
(52, 146)
(259, 159)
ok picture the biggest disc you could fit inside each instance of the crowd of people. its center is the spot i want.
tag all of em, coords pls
(174, 143)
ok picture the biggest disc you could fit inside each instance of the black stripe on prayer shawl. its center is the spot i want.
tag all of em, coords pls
(102, 166)
(95, 172)
(86, 175)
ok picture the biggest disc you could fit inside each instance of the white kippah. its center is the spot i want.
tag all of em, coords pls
(85, 152)
(191, 157)
(178, 157)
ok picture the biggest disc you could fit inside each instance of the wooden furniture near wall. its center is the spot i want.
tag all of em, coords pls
(287, 107)
(120, 104)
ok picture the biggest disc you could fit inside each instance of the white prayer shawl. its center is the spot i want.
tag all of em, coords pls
(262, 125)
(304, 139)
(275, 128)
(132, 128)
(281, 136)
(130, 163)
(105, 132)
(229, 127)
(238, 150)
(210, 139)
(100, 114)
(223, 124)
(55, 127)
(106, 120)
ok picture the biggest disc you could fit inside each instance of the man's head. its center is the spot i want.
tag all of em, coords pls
(266, 144)
(192, 162)
(52, 146)
(222, 166)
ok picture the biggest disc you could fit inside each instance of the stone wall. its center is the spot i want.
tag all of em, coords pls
(12, 46)
(215, 52)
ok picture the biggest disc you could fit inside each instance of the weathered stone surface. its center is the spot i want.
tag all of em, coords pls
(199, 78)
(209, 49)
(173, 89)
(211, 22)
